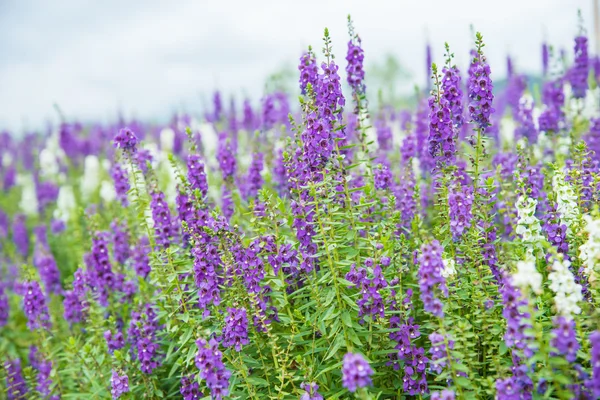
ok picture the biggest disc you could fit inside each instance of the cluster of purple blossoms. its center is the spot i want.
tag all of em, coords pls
(235, 331)
(592, 138)
(480, 92)
(371, 301)
(439, 352)
(34, 305)
(44, 368)
(209, 361)
(15, 384)
(545, 58)
(254, 180)
(119, 384)
(121, 180)
(382, 176)
(556, 231)
(143, 157)
(553, 98)
(126, 140)
(578, 75)
(311, 391)
(414, 381)
(114, 342)
(452, 94)
(565, 340)
(206, 273)
(190, 390)
(142, 334)
(445, 394)
(227, 206)
(384, 136)
(161, 215)
(405, 200)
(517, 321)
(279, 174)
(20, 234)
(47, 192)
(139, 255)
(4, 306)
(45, 263)
(593, 384)
(196, 174)
(309, 71)
(526, 127)
(354, 68)
(328, 94)
(460, 201)
(226, 156)
(517, 387)
(120, 238)
(356, 372)
(442, 135)
(74, 302)
(516, 86)
(430, 276)
(100, 274)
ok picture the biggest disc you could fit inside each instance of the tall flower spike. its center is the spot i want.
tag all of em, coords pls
(431, 266)
(355, 57)
(480, 88)
(578, 75)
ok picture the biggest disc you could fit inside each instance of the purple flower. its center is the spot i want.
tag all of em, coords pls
(452, 94)
(142, 333)
(442, 146)
(592, 138)
(114, 342)
(196, 174)
(74, 307)
(209, 361)
(126, 140)
(430, 277)
(384, 136)
(460, 201)
(15, 384)
(20, 234)
(308, 71)
(354, 68)
(163, 226)
(34, 305)
(578, 75)
(4, 305)
(480, 92)
(139, 255)
(310, 391)
(564, 339)
(235, 331)
(382, 176)
(254, 179)
(45, 263)
(206, 264)
(226, 156)
(118, 384)
(445, 394)
(356, 372)
(439, 352)
(593, 384)
(44, 368)
(545, 58)
(517, 321)
(190, 390)
(121, 179)
(120, 238)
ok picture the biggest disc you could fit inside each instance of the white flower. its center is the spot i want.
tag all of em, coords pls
(566, 200)
(49, 167)
(528, 226)
(449, 267)
(568, 293)
(527, 275)
(29, 202)
(167, 139)
(589, 252)
(65, 204)
(107, 192)
(90, 181)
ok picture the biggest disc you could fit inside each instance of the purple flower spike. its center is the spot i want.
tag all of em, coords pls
(356, 372)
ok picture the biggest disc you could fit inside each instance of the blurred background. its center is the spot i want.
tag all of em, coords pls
(148, 59)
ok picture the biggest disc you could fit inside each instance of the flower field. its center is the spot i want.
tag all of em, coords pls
(318, 245)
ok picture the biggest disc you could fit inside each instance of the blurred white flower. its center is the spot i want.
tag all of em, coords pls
(528, 226)
(167, 139)
(29, 202)
(90, 181)
(567, 292)
(49, 167)
(566, 200)
(107, 192)
(589, 252)
(65, 204)
(527, 275)
(449, 267)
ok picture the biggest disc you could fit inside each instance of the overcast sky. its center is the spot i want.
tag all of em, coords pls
(150, 57)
